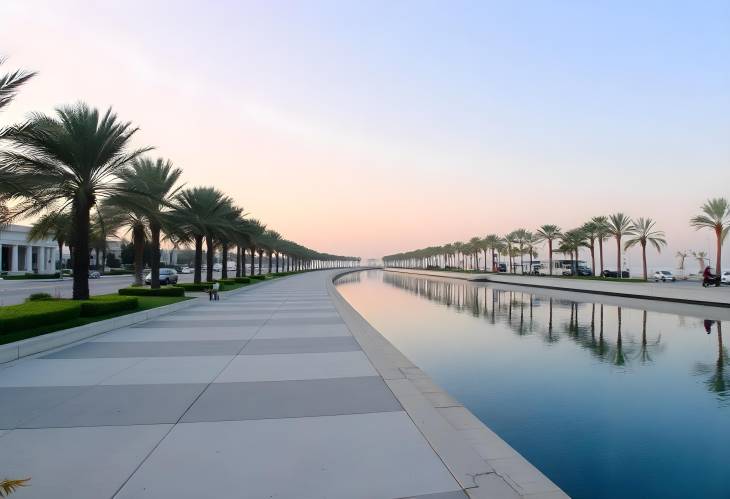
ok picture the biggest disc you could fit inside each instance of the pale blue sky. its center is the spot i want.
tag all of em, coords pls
(468, 117)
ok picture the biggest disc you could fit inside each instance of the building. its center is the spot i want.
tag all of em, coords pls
(18, 255)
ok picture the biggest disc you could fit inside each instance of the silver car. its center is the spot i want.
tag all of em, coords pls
(167, 276)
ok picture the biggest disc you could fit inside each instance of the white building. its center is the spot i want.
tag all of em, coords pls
(18, 255)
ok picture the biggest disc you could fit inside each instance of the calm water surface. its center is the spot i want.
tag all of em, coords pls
(608, 400)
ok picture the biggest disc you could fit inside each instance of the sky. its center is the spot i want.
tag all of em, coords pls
(368, 128)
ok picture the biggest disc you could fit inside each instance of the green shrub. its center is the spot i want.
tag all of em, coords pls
(162, 291)
(39, 296)
(120, 272)
(102, 305)
(231, 280)
(242, 280)
(259, 277)
(202, 286)
(37, 313)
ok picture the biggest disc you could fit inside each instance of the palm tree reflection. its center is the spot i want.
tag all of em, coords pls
(719, 379)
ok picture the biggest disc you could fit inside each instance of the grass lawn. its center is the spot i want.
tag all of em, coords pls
(145, 303)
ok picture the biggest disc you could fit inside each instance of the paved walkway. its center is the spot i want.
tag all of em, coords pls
(263, 394)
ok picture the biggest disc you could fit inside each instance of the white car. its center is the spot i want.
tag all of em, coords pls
(186, 270)
(725, 278)
(664, 276)
(217, 267)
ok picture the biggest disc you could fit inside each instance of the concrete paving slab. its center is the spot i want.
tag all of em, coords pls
(300, 345)
(121, 406)
(353, 457)
(62, 372)
(292, 399)
(78, 463)
(118, 349)
(305, 321)
(160, 323)
(23, 403)
(180, 334)
(164, 370)
(302, 331)
(303, 315)
(281, 367)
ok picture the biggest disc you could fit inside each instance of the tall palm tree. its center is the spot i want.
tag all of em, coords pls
(602, 233)
(643, 233)
(682, 256)
(202, 212)
(549, 233)
(119, 216)
(716, 217)
(510, 241)
(700, 256)
(592, 232)
(10, 83)
(521, 236)
(619, 225)
(570, 242)
(71, 159)
(492, 242)
(56, 225)
(148, 189)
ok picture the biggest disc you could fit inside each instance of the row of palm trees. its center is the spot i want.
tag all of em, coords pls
(78, 172)
(625, 231)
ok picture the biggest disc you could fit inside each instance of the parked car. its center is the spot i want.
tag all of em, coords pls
(664, 276)
(167, 276)
(94, 274)
(217, 267)
(725, 278)
(502, 267)
(612, 273)
(186, 270)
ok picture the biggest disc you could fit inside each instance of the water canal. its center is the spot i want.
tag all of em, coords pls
(609, 398)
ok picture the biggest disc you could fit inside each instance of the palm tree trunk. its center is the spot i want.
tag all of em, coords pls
(600, 253)
(155, 263)
(718, 262)
(270, 254)
(261, 253)
(138, 244)
(253, 259)
(238, 261)
(277, 262)
(60, 257)
(209, 254)
(618, 257)
(224, 261)
(197, 277)
(593, 258)
(550, 256)
(643, 259)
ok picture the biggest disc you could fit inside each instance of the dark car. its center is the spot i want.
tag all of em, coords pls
(614, 274)
(502, 267)
(167, 276)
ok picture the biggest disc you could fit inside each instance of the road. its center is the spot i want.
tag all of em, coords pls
(13, 292)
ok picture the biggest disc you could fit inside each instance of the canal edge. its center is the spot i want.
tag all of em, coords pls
(483, 464)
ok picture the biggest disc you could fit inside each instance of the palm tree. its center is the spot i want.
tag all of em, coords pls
(149, 187)
(56, 225)
(715, 216)
(619, 225)
(510, 241)
(643, 233)
(549, 233)
(10, 83)
(118, 215)
(602, 233)
(700, 256)
(592, 232)
(71, 159)
(493, 243)
(202, 212)
(570, 242)
(682, 256)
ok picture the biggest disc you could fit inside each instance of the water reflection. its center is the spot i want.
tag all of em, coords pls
(609, 397)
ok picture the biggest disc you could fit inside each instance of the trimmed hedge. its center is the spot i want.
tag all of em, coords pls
(231, 280)
(162, 291)
(120, 272)
(202, 286)
(102, 305)
(39, 296)
(242, 280)
(37, 313)
(259, 277)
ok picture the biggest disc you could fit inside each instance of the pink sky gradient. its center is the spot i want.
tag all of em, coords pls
(358, 131)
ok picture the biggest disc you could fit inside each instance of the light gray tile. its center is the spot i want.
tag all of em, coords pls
(304, 321)
(78, 463)
(197, 323)
(22, 403)
(99, 349)
(182, 334)
(303, 331)
(300, 345)
(281, 367)
(163, 370)
(292, 399)
(62, 372)
(454, 494)
(121, 406)
(355, 457)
